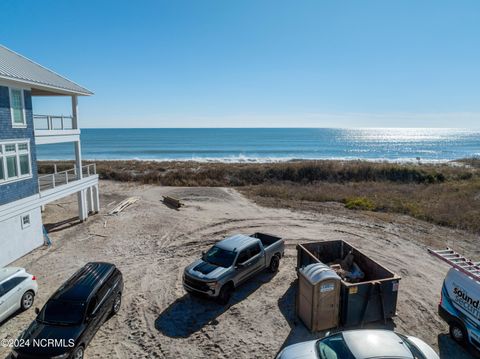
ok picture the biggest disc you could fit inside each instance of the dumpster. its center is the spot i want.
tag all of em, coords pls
(318, 297)
(370, 299)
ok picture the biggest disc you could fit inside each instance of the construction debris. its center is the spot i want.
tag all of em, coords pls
(122, 205)
(348, 269)
(171, 201)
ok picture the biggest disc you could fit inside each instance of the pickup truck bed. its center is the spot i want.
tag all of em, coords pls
(266, 239)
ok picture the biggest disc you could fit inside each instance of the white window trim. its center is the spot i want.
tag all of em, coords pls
(26, 225)
(17, 154)
(17, 125)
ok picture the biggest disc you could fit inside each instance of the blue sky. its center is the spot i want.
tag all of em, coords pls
(254, 63)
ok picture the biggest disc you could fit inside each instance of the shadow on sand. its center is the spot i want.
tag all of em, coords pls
(13, 315)
(169, 205)
(189, 313)
(59, 226)
(450, 349)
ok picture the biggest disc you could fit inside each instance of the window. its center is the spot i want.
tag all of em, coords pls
(17, 105)
(102, 294)
(244, 256)
(334, 347)
(25, 221)
(417, 354)
(62, 312)
(2, 171)
(219, 257)
(92, 306)
(12, 283)
(249, 253)
(11, 166)
(255, 249)
(14, 161)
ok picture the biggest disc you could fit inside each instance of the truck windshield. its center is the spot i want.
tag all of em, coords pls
(219, 257)
(334, 347)
(61, 312)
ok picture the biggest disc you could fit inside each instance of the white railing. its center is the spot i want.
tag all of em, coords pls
(49, 122)
(61, 178)
(89, 170)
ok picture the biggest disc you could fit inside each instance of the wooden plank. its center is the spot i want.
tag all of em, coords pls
(171, 201)
(124, 204)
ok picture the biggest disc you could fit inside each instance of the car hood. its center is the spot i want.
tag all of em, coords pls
(305, 350)
(426, 350)
(43, 339)
(205, 271)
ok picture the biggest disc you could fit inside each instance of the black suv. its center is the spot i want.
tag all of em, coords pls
(73, 314)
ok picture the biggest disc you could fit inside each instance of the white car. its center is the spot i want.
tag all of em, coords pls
(361, 344)
(17, 291)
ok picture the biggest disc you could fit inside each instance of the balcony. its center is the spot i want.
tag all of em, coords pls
(63, 178)
(55, 129)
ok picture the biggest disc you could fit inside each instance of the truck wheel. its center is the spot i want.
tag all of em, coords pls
(274, 264)
(458, 333)
(225, 294)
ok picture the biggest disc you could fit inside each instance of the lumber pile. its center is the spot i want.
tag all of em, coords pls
(171, 201)
(122, 205)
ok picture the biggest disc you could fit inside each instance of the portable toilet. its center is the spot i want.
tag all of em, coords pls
(318, 299)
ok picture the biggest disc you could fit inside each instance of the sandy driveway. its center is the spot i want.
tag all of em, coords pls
(152, 243)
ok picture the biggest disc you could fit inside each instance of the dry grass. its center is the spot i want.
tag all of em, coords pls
(245, 174)
(443, 194)
(452, 203)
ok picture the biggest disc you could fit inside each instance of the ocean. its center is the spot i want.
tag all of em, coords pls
(271, 144)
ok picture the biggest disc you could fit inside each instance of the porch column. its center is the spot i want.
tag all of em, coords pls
(81, 195)
(96, 199)
(90, 200)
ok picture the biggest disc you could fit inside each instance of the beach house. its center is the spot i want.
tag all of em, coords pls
(24, 192)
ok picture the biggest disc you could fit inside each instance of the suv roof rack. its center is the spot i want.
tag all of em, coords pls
(458, 261)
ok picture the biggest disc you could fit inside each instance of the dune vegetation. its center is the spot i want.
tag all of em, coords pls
(445, 194)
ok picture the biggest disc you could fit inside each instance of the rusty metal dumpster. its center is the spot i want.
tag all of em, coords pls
(372, 299)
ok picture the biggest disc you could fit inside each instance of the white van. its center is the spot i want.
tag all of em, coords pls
(460, 300)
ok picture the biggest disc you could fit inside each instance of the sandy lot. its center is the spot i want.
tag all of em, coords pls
(152, 243)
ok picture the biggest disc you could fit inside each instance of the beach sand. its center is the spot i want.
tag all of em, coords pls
(152, 243)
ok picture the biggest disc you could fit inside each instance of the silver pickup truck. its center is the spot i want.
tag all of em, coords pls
(230, 262)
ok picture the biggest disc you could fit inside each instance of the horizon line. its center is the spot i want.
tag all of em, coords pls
(283, 127)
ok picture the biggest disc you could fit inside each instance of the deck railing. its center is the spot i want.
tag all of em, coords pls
(61, 178)
(52, 122)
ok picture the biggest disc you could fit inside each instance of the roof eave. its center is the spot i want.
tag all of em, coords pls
(49, 90)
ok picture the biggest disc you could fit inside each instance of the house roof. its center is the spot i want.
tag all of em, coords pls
(43, 81)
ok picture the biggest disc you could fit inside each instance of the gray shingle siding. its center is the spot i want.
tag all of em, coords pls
(13, 191)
